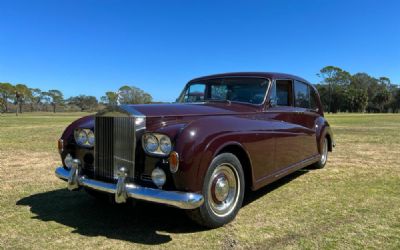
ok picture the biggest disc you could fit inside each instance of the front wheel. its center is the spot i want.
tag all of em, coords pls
(223, 190)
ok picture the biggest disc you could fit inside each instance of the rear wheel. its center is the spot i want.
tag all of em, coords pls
(223, 190)
(324, 155)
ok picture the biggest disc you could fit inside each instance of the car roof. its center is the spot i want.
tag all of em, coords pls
(270, 75)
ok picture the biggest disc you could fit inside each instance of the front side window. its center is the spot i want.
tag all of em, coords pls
(302, 95)
(237, 89)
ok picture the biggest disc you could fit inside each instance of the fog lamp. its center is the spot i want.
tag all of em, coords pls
(68, 161)
(158, 176)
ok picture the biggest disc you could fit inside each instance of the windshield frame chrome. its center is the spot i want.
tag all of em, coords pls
(179, 99)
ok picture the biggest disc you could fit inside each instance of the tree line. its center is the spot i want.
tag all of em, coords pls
(342, 92)
(19, 97)
(339, 90)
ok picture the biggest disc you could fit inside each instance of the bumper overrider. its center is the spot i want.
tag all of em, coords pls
(124, 190)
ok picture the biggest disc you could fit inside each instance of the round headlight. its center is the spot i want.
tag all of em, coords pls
(81, 137)
(90, 138)
(165, 145)
(150, 143)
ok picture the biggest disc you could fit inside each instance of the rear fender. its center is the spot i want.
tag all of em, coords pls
(323, 130)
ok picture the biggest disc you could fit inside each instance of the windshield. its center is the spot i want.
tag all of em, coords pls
(238, 89)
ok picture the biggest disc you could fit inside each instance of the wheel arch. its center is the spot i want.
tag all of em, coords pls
(330, 146)
(324, 131)
(329, 135)
(238, 150)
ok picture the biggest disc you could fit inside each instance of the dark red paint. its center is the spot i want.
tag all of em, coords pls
(271, 141)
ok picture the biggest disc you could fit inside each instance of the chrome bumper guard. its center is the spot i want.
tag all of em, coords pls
(123, 190)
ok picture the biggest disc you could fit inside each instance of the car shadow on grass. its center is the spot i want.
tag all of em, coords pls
(87, 216)
(139, 224)
(251, 196)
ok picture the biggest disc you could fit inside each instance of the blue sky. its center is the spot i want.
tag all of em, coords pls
(92, 46)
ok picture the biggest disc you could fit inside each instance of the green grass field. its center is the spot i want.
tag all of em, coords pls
(353, 203)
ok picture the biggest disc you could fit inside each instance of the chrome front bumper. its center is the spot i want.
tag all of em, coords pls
(123, 190)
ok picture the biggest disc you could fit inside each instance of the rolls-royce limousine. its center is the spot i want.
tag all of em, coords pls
(225, 134)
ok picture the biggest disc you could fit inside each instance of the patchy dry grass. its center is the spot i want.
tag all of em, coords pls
(353, 203)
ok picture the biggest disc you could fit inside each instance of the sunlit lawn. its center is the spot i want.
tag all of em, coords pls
(353, 203)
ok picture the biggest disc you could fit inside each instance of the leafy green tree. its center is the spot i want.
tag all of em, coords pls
(133, 95)
(323, 90)
(7, 91)
(365, 81)
(384, 95)
(336, 79)
(381, 98)
(356, 99)
(111, 98)
(384, 81)
(22, 95)
(36, 98)
(46, 99)
(395, 99)
(84, 102)
(57, 98)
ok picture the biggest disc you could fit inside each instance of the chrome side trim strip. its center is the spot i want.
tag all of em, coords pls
(177, 199)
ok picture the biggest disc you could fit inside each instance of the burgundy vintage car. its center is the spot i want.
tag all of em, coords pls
(225, 133)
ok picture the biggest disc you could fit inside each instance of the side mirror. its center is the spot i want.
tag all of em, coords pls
(272, 102)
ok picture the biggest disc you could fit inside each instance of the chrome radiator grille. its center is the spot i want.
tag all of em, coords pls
(114, 146)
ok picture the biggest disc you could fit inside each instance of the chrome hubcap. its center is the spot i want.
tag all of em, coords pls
(223, 190)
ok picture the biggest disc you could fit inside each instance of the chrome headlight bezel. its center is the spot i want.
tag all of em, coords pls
(84, 137)
(90, 137)
(150, 143)
(164, 145)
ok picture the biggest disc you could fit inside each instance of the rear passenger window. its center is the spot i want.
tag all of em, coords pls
(281, 93)
(302, 95)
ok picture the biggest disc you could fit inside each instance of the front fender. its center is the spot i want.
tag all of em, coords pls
(83, 122)
(200, 140)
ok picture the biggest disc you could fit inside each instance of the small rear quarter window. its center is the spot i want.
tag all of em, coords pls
(302, 95)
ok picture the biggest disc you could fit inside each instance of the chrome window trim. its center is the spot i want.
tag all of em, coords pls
(286, 79)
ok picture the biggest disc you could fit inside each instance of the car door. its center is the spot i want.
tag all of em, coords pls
(290, 134)
(305, 116)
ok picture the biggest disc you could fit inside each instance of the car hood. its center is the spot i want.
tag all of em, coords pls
(168, 110)
(165, 113)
